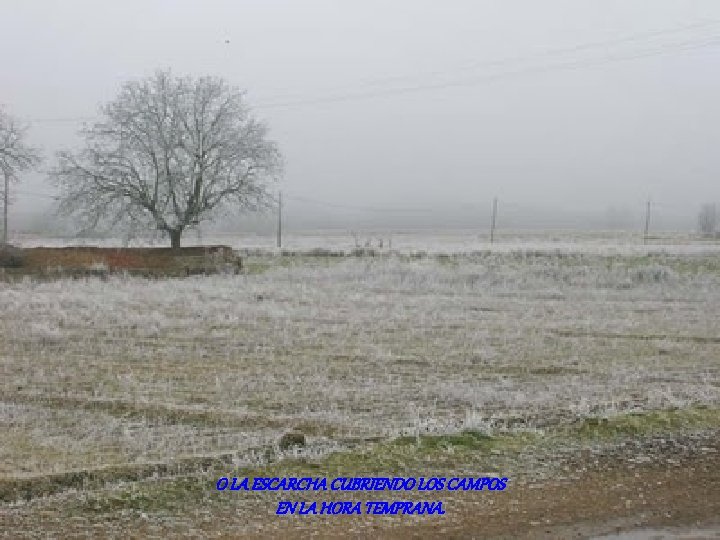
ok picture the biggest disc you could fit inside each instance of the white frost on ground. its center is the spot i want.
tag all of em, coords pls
(354, 347)
(408, 241)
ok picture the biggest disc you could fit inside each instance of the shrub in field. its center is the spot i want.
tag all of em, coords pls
(11, 256)
(653, 274)
(363, 252)
(291, 439)
(323, 252)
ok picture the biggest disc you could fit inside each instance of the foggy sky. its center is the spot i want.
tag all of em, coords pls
(570, 108)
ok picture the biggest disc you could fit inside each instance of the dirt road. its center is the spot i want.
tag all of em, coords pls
(669, 487)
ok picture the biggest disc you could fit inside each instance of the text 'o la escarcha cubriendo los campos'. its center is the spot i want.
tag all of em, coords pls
(377, 506)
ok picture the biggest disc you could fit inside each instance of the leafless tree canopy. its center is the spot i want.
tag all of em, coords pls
(708, 219)
(15, 155)
(169, 153)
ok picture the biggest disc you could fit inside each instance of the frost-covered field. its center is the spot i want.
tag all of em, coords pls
(346, 349)
(443, 242)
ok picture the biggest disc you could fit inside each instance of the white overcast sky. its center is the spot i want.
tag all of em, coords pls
(550, 104)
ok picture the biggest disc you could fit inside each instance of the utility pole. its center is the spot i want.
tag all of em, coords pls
(647, 222)
(279, 224)
(6, 197)
(493, 220)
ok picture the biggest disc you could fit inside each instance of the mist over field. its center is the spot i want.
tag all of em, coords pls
(410, 114)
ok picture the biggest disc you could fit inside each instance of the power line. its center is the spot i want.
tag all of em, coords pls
(558, 51)
(353, 207)
(277, 200)
(687, 45)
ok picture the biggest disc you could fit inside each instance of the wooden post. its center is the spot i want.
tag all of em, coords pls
(6, 198)
(647, 222)
(279, 225)
(493, 221)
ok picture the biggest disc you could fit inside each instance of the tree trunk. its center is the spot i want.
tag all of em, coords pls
(6, 201)
(175, 238)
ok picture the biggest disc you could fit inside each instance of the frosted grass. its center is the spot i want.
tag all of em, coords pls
(410, 241)
(360, 348)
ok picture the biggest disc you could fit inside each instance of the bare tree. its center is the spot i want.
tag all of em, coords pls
(707, 219)
(169, 153)
(15, 157)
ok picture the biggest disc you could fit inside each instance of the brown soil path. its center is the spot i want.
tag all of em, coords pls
(598, 497)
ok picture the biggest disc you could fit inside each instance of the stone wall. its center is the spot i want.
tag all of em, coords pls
(137, 261)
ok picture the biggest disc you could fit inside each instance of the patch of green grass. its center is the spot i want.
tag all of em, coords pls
(527, 371)
(259, 265)
(423, 454)
(447, 260)
(169, 495)
(256, 267)
(648, 423)
(468, 440)
(697, 265)
(688, 265)
(555, 370)
(410, 455)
